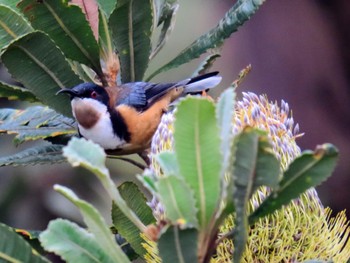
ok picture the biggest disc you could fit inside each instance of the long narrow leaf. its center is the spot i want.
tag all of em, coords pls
(235, 17)
(43, 154)
(197, 147)
(178, 246)
(73, 243)
(37, 123)
(12, 92)
(178, 200)
(96, 225)
(14, 249)
(131, 24)
(224, 116)
(68, 27)
(255, 165)
(308, 170)
(207, 63)
(81, 152)
(136, 201)
(12, 25)
(166, 18)
(35, 61)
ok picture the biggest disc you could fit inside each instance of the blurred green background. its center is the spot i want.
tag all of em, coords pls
(299, 52)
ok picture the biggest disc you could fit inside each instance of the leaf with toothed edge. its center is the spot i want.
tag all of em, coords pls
(207, 63)
(12, 25)
(197, 148)
(81, 152)
(67, 27)
(178, 245)
(224, 116)
(96, 225)
(239, 13)
(36, 123)
(43, 154)
(306, 171)
(166, 13)
(14, 249)
(12, 92)
(136, 201)
(36, 62)
(254, 165)
(178, 200)
(73, 243)
(131, 25)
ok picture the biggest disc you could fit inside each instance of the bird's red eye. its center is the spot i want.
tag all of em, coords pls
(93, 95)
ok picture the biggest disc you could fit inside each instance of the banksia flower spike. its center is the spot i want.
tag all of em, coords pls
(299, 231)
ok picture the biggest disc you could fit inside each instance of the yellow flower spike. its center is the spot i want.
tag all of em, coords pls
(300, 231)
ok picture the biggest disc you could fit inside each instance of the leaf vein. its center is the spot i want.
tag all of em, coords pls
(43, 66)
(70, 34)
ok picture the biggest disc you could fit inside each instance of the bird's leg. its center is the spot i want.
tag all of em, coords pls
(144, 156)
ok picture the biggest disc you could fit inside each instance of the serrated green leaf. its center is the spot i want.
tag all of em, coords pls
(224, 116)
(12, 92)
(136, 201)
(178, 246)
(178, 200)
(107, 6)
(308, 170)
(168, 163)
(96, 225)
(42, 154)
(67, 27)
(207, 63)
(36, 123)
(36, 62)
(234, 18)
(197, 148)
(165, 16)
(12, 25)
(80, 152)
(14, 249)
(254, 165)
(73, 243)
(5, 114)
(131, 25)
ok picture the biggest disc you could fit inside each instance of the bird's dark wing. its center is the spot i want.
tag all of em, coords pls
(142, 94)
(133, 94)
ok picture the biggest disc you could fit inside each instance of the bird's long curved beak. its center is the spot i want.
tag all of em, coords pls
(71, 92)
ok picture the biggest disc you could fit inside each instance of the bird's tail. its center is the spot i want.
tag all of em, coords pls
(203, 82)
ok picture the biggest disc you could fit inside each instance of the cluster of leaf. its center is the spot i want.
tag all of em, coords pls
(53, 44)
(210, 174)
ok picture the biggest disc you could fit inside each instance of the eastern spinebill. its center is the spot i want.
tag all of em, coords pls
(124, 118)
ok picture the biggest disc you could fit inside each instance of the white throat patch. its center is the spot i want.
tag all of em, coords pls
(102, 132)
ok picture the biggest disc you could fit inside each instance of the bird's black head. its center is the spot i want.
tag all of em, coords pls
(88, 90)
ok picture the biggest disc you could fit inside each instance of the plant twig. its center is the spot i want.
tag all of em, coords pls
(137, 164)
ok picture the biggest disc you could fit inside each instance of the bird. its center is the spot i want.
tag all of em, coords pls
(124, 118)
